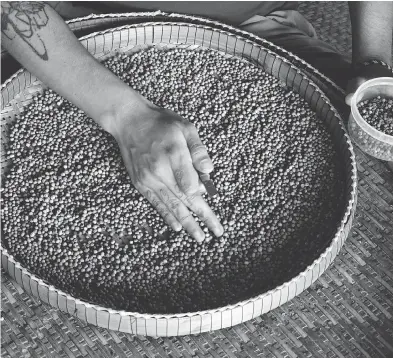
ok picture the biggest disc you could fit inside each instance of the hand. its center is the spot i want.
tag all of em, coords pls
(161, 151)
(367, 73)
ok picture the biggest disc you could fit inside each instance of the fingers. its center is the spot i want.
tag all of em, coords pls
(171, 208)
(353, 85)
(184, 175)
(366, 73)
(183, 188)
(150, 195)
(348, 98)
(203, 211)
(179, 190)
(180, 212)
(198, 151)
(185, 185)
(161, 208)
(165, 173)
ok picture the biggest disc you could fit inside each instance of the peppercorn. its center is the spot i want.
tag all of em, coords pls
(378, 112)
(71, 215)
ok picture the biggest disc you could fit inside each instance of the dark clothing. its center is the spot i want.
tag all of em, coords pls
(229, 12)
(276, 21)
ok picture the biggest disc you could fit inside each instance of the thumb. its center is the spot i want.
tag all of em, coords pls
(348, 98)
(353, 85)
(198, 151)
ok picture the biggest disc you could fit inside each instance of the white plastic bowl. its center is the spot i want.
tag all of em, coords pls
(368, 138)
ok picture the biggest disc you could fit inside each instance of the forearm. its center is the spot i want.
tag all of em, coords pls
(372, 26)
(41, 41)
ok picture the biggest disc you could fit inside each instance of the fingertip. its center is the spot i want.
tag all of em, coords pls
(219, 231)
(348, 99)
(199, 236)
(353, 85)
(176, 226)
(202, 188)
(205, 166)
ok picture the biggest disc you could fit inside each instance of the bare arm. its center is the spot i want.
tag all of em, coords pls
(38, 38)
(148, 136)
(372, 26)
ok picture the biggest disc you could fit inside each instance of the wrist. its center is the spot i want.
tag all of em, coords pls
(372, 60)
(121, 103)
(371, 68)
(359, 57)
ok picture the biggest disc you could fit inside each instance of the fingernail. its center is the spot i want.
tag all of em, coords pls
(218, 231)
(199, 236)
(206, 165)
(177, 226)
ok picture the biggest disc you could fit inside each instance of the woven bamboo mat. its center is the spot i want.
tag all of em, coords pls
(348, 312)
(331, 21)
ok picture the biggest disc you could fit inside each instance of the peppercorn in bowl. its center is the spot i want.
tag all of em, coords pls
(371, 120)
(74, 227)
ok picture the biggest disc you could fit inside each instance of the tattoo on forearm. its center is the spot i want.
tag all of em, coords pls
(23, 19)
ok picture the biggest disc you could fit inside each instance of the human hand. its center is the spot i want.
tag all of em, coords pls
(162, 152)
(364, 74)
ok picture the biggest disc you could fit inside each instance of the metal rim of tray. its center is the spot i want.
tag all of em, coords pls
(159, 29)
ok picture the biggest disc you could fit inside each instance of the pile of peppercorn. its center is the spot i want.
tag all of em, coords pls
(71, 215)
(378, 112)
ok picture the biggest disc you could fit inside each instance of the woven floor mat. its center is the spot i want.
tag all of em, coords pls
(331, 21)
(348, 312)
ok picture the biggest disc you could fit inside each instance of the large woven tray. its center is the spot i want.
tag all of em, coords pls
(157, 29)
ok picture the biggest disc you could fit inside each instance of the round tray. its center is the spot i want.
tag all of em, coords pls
(168, 31)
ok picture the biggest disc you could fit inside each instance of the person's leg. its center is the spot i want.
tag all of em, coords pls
(291, 31)
(72, 9)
